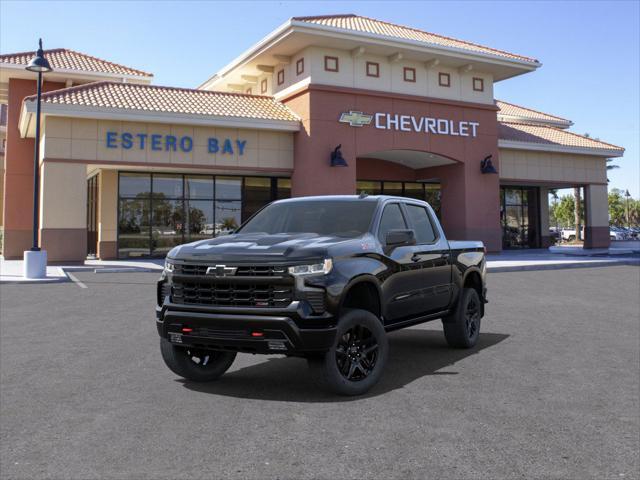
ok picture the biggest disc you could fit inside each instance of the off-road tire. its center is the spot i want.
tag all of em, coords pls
(357, 357)
(462, 328)
(182, 362)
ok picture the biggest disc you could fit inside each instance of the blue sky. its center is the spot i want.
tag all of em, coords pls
(589, 50)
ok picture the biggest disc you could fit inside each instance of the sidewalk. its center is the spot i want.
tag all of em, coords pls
(11, 270)
(544, 259)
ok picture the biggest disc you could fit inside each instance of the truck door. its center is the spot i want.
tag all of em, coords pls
(431, 256)
(400, 288)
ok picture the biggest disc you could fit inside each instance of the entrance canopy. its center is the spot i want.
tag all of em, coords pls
(411, 158)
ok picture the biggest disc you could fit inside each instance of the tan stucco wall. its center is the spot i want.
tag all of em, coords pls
(352, 74)
(107, 206)
(80, 139)
(597, 205)
(525, 165)
(63, 197)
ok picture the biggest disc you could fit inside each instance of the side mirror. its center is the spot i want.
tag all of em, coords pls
(397, 238)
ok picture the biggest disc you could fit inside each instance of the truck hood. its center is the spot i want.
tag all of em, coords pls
(259, 248)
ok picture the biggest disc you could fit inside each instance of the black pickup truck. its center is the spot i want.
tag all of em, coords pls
(323, 278)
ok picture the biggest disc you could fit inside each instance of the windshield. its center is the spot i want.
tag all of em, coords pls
(343, 218)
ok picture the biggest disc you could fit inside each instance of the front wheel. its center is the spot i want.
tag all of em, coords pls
(195, 364)
(462, 328)
(357, 357)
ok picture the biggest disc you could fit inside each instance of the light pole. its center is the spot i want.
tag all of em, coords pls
(35, 260)
(627, 195)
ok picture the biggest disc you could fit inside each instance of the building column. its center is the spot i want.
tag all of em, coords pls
(596, 205)
(18, 174)
(108, 215)
(543, 211)
(63, 211)
(470, 203)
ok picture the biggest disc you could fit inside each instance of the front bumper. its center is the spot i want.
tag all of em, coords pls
(293, 330)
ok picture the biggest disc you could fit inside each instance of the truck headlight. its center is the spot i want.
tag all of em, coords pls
(168, 266)
(316, 268)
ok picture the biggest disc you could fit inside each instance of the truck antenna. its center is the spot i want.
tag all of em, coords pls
(363, 194)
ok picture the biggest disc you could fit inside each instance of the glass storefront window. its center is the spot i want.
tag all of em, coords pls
(284, 188)
(432, 195)
(414, 190)
(167, 224)
(133, 228)
(159, 211)
(228, 216)
(198, 187)
(135, 185)
(228, 188)
(392, 188)
(370, 188)
(519, 217)
(199, 221)
(257, 193)
(167, 186)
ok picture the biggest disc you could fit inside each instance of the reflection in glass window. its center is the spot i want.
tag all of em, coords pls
(284, 188)
(257, 193)
(199, 220)
(168, 186)
(370, 188)
(414, 190)
(199, 187)
(133, 228)
(392, 188)
(228, 216)
(135, 185)
(167, 224)
(228, 188)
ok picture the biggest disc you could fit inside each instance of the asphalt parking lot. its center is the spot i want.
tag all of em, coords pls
(552, 390)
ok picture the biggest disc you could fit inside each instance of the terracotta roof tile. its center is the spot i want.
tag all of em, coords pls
(153, 98)
(512, 110)
(546, 135)
(65, 59)
(369, 25)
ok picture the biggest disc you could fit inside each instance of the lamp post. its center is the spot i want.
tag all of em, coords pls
(627, 195)
(35, 260)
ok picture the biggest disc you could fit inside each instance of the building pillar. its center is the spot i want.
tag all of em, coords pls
(312, 170)
(470, 203)
(108, 215)
(18, 175)
(63, 211)
(543, 211)
(596, 205)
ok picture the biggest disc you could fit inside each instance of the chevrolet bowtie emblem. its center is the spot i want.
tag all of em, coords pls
(221, 271)
(355, 119)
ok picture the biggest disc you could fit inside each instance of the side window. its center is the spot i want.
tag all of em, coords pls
(392, 219)
(419, 218)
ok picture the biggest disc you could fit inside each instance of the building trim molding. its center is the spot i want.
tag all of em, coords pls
(545, 147)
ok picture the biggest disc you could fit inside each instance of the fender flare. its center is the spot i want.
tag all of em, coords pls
(363, 278)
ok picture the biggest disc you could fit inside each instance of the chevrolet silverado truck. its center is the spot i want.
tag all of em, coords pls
(325, 278)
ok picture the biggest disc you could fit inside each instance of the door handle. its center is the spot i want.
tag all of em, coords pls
(415, 257)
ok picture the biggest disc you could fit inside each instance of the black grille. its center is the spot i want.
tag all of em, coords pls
(232, 294)
(242, 271)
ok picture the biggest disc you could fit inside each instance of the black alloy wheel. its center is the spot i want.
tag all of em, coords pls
(462, 327)
(356, 353)
(357, 358)
(195, 364)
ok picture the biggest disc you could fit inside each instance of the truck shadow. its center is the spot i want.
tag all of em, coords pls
(414, 353)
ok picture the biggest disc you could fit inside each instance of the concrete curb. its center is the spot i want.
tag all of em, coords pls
(561, 266)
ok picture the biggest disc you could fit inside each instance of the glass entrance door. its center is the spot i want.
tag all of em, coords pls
(520, 217)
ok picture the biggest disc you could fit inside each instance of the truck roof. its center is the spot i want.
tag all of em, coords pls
(365, 198)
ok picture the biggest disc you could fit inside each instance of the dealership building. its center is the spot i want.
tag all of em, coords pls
(323, 105)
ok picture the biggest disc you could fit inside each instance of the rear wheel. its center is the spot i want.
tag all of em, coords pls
(195, 364)
(357, 357)
(462, 328)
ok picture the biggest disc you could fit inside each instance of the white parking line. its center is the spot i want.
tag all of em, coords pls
(75, 280)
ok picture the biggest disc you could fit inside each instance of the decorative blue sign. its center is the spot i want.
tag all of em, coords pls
(172, 143)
